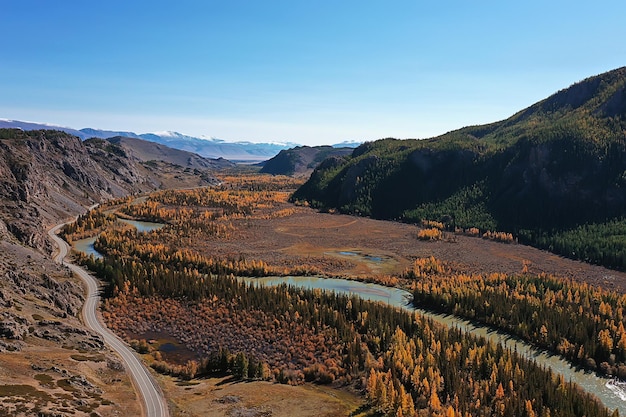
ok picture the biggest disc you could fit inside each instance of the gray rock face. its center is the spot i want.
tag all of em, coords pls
(13, 326)
(48, 175)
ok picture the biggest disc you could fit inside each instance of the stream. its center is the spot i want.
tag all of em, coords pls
(612, 395)
(86, 245)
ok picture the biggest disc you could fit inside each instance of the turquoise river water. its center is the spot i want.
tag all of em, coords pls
(612, 394)
(86, 245)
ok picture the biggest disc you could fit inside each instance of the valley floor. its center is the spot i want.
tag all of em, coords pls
(216, 397)
(361, 247)
(274, 237)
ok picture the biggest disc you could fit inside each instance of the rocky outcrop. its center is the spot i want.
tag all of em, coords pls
(13, 326)
(301, 160)
(39, 299)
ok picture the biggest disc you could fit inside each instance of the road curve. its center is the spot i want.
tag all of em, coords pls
(153, 404)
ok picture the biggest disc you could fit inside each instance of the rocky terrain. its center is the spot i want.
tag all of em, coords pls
(144, 151)
(47, 175)
(51, 364)
(301, 160)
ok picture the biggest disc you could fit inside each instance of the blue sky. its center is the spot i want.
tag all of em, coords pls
(310, 72)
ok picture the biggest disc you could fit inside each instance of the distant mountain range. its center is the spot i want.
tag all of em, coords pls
(241, 151)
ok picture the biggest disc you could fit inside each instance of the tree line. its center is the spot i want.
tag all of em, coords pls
(404, 363)
(583, 323)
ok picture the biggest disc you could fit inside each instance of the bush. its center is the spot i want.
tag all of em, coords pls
(429, 234)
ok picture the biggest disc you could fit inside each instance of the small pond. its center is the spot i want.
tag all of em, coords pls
(358, 254)
(171, 349)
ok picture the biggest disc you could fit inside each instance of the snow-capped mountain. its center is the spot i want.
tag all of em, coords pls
(207, 147)
(105, 134)
(347, 144)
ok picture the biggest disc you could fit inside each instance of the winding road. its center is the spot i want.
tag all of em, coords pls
(153, 404)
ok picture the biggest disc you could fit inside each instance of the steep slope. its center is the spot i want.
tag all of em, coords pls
(52, 364)
(555, 165)
(145, 151)
(50, 175)
(301, 160)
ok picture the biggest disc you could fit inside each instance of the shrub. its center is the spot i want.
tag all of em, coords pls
(429, 234)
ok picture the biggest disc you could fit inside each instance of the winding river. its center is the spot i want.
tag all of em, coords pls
(86, 245)
(612, 396)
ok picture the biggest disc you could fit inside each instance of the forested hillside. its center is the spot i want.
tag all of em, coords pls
(542, 174)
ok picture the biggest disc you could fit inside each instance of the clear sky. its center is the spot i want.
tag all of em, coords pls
(310, 72)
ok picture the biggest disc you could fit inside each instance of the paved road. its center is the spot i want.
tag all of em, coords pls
(154, 404)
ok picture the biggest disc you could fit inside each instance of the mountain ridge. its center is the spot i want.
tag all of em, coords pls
(145, 151)
(302, 160)
(209, 148)
(558, 164)
(48, 175)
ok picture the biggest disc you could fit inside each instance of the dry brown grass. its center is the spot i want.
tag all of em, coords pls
(44, 378)
(221, 397)
(310, 238)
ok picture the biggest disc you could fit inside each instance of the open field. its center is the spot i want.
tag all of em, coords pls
(223, 397)
(309, 237)
(244, 231)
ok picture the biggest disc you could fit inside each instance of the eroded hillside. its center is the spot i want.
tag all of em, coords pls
(52, 364)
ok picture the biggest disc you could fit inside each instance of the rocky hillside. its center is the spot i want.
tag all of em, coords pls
(554, 166)
(145, 151)
(50, 175)
(51, 364)
(301, 160)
